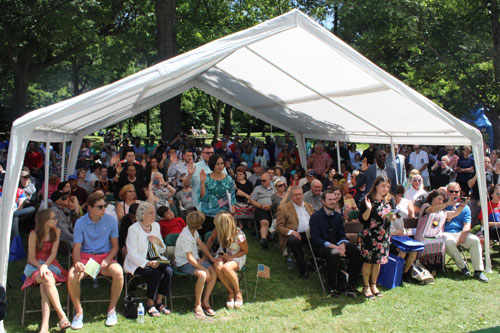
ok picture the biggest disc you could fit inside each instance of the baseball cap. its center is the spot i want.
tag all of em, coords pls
(311, 173)
(57, 195)
(244, 164)
(25, 173)
(73, 176)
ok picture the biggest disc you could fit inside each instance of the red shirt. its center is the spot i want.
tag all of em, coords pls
(33, 159)
(173, 226)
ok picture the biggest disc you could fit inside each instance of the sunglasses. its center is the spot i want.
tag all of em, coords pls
(208, 152)
(101, 206)
(263, 180)
(417, 180)
(453, 191)
(280, 185)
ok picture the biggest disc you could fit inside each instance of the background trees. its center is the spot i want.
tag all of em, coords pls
(449, 50)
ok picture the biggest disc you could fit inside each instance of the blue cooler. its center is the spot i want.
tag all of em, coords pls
(391, 273)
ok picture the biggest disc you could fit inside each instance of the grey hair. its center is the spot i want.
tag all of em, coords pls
(141, 210)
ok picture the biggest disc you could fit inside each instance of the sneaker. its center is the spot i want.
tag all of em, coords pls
(465, 271)
(263, 243)
(77, 322)
(111, 319)
(480, 276)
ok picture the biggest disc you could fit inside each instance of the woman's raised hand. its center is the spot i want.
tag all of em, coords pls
(203, 176)
(368, 203)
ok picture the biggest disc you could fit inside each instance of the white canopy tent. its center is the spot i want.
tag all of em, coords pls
(289, 71)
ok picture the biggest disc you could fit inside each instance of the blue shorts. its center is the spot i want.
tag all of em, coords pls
(189, 269)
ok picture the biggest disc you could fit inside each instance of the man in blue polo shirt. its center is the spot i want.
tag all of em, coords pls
(96, 237)
(457, 232)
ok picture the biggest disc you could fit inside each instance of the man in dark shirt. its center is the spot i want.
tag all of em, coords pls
(328, 237)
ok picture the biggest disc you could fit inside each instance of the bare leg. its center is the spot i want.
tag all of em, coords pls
(49, 284)
(198, 289)
(229, 270)
(409, 261)
(373, 277)
(44, 326)
(211, 280)
(115, 272)
(74, 291)
(264, 227)
(222, 277)
(365, 272)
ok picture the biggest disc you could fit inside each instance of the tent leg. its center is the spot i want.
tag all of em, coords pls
(394, 165)
(46, 181)
(338, 156)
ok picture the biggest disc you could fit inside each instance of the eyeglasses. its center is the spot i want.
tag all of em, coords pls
(451, 191)
(280, 185)
(208, 152)
(417, 180)
(263, 180)
(101, 206)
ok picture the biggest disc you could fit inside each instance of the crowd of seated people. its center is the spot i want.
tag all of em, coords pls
(186, 185)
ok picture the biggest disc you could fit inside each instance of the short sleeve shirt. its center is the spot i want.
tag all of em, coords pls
(186, 242)
(95, 236)
(457, 224)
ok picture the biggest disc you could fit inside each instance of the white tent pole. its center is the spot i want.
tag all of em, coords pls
(394, 165)
(477, 149)
(338, 156)
(301, 145)
(73, 155)
(63, 159)
(46, 180)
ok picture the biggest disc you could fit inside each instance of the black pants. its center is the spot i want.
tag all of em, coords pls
(295, 245)
(332, 258)
(207, 226)
(159, 280)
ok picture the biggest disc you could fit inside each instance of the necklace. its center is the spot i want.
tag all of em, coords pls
(148, 229)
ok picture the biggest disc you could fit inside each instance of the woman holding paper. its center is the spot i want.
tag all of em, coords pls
(376, 216)
(216, 190)
(144, 249)
(43, 269)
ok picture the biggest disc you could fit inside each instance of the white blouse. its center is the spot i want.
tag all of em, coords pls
(137, 246)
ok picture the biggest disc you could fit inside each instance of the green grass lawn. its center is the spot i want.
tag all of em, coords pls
(287, 303)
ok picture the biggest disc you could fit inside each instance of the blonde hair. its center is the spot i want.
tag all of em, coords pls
(124, 191)
(225, 228)
(414, 172)
(195, 219)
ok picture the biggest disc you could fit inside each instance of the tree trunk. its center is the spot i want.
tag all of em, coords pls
(494, 113)
(75, 77)
(218, 113)
(228, 115)
(20, 98)
(148, 120)
(495, 122)
(167, 48)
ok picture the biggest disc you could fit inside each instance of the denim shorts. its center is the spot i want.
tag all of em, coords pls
(189, 269)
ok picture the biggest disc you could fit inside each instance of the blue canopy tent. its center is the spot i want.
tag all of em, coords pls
(480, 121)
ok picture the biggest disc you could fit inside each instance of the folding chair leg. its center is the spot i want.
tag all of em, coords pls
(317, 267)
(24, 306)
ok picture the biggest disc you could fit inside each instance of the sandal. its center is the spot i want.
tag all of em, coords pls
(230, 304)
(238, 303)
(368, 296)
(162, 308)
(63, 324)
(152, 311)
(378, 294)
(208, 311)
(198, 313)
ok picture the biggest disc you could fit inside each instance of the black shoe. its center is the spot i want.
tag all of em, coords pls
(264, 244)
(350, 291)
(407, 277)
(465, 271)
(334, 293)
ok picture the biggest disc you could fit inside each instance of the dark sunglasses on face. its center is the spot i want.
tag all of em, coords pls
(100, 207)
(280, 185)
(451, 191)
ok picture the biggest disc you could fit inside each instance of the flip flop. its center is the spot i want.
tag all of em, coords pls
(152, 311)
(208, 311)
(64, 324)
(162, 308)
(198, 315)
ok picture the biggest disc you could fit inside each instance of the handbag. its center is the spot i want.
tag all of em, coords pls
(130, 311)
(421, 274)
(16, 249)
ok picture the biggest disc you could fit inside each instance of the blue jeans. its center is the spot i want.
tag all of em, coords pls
(21, 214)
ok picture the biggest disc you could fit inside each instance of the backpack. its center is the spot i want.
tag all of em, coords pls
(130, 308)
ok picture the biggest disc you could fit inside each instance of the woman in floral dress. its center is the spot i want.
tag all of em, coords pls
(376, 216)
(213, 192)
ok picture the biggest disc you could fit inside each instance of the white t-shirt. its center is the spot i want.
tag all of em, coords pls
(186, 242)
(418, 160)
(411, 194)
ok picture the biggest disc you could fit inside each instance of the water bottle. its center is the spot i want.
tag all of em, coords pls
(140, 314)
(289, 262)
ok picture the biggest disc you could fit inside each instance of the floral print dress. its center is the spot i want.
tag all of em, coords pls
(376, 232)
(215, 199)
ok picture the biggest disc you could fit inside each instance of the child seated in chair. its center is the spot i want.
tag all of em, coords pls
(43, 268)
(188, 261)
(169, 224)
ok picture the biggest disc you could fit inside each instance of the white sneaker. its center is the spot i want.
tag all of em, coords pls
(111, 320)
(77, 322)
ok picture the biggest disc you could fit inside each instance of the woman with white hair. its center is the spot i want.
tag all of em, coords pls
(144, 257)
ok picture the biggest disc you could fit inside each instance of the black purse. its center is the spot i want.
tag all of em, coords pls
(130, 308)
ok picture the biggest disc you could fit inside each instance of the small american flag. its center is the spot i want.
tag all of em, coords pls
(263, 271)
